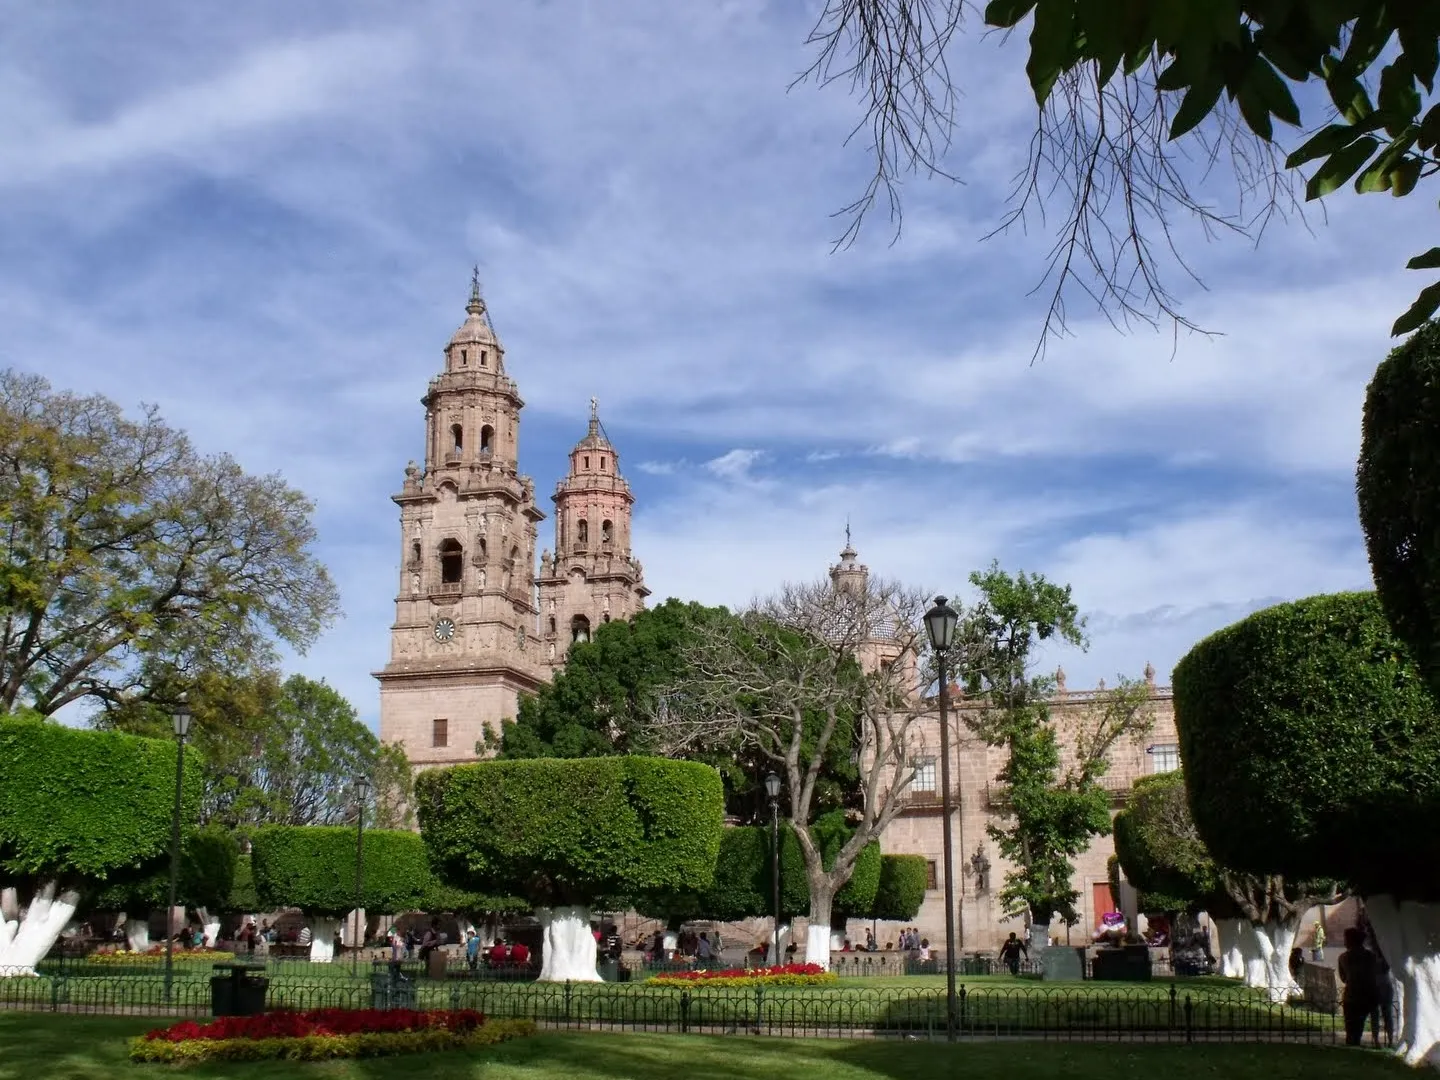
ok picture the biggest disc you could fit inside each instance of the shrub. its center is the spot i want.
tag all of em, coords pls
(901, 888)
(592, 830)
(783, 975)
(312, 867)
(156, 955)
(1312, 746)
(1397, 484)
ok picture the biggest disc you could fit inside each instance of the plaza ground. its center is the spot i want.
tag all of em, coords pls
(94, 1048)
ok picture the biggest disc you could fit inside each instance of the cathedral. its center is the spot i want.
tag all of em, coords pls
(475, 627)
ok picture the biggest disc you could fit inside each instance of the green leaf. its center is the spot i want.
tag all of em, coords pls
(1172, 78)
(1273, 91)
(1138, 59)
(1052, 45)
(1367, 38)
(1430, 129)
(1253, 109)
(1421, 50)
(1324, 143)
(1199, 102)
(1425, 306)
(1428, 261)
(1341, 166)
(1404, 177)
(1006, 13)
(1350, 98)
(1398, 96)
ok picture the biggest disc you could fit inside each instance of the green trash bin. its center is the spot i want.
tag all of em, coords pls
(250, 995)
(222, 995)
(240, 991)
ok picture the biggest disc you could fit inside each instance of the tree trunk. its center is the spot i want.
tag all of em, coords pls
(570, 951)
(209, 926)
(489, 930)
(1229, 934)
(353, 923)
(1409, 935)
(1039, 936)
(817, 939)
(1266, 951)
(24, 940)
(137, 932)
(322, 939)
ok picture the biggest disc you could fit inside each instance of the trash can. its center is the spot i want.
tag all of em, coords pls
(222, 995)
(250, 995)
(239, 992)
(435, 964)
(389, 991)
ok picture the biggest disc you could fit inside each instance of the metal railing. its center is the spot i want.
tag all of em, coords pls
(1152, 1013)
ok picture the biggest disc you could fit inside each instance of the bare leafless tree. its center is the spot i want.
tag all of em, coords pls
(799, 672)
(1101, 155)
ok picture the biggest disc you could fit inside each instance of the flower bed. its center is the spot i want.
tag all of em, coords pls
(784, 975)
(156, 955)
(318, 1034)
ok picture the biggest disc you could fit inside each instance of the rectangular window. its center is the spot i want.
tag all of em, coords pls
(1164, 758)
(931, 876)
(440, 733)
(924, 775)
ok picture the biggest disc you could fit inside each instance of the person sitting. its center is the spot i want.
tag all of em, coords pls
(519, 953)
(499, 953)
(924, 949)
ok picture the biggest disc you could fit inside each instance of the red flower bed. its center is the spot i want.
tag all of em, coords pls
(288, 1024)
(746, 973)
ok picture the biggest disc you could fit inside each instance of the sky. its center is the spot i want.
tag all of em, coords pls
(262, 218)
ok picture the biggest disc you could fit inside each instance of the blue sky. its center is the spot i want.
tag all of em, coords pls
(262, 218)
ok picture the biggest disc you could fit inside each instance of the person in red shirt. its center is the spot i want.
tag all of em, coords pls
(499, 954)
(519, 954)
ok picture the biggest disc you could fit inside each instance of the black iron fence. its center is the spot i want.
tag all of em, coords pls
(1155, 1012)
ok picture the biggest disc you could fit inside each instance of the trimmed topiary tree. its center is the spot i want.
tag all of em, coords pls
(1397, 484)
(1312, 748)
(312, 867)
(901, 888)
(208, 862)
(569, 834)
(77, 807)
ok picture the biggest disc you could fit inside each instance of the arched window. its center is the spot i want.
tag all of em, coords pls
(415, 553)
(582, 532)
(464, 357)
(587, 461)
(482, 357)
(515, 565)
(602, 462)
(452, 562)
(457, 438)
(579, 628)
(607, 533)
(552, 624)
(487, 440)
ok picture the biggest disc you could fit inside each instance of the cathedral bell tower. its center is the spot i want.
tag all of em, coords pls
(463, 644)
(592, 577)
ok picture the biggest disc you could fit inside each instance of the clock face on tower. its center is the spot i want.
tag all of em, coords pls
(444, 630)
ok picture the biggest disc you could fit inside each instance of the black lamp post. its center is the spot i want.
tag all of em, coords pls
(362, 794)
(181, 723)
(940, 623)
(772, 788)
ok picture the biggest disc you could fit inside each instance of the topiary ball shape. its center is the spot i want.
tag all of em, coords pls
(1397, 483)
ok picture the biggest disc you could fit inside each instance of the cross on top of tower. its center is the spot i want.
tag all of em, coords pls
(594, 416)
(476, 306)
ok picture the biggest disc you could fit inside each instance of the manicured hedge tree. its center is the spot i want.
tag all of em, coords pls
(76, 808)
(1312, 748)
(243, 899)
(901, 888)
(569, 834)
(312, 867)
(208, 861)
(1398, 485)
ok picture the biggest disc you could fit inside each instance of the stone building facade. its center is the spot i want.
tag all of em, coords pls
(474, 626)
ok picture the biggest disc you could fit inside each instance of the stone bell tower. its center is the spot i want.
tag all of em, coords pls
(463, 644)
(592, 577)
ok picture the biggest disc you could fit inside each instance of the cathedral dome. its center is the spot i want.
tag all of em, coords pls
(476, 329)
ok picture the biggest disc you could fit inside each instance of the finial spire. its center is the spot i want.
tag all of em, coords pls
(476, 306)
(594, 415)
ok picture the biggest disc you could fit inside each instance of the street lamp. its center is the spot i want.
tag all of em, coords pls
(362, 793)
(181, 723)
(940, 622)
(772, 788)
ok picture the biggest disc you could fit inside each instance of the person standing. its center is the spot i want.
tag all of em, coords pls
(472, 949)
(1358, 973)
(1010, 952)
(1317, 953)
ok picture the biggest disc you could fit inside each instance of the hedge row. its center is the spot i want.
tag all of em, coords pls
(209, 863)
(81, 805)
(594, 831)
(312, 867)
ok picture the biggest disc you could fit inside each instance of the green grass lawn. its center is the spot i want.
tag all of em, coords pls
(86, 1048)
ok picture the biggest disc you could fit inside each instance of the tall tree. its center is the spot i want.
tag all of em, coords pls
(816, 665)
(278, 753)
(1136, 104)
(1052, 812)
(599, 705)
(122, 549)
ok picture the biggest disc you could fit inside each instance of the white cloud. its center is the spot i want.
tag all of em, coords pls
(734, 464)
(657, 468)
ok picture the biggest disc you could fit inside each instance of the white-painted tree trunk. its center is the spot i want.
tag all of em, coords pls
(570, 951)
(355, 921)
(25, 939)
(209, 926)
(672, 940)
(1409, 935)
(817, 940)
(137, 932)
(1232, 960)
(1265, 951)
(1039, 937)
(489, 930)
(837, 939)
(322, 939)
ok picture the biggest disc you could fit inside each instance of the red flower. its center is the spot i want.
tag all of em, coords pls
(287, 1024)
